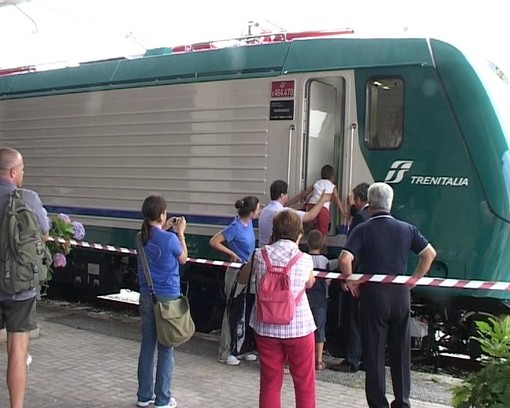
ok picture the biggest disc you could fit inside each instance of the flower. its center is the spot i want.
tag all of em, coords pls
(79, 230)
(63, 227)
(59, 260)
(64, 217)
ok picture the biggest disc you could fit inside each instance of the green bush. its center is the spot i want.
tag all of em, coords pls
(490, 387)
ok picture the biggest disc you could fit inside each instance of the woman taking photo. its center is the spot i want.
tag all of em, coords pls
(240, 237)
(165, 251)
(293, 342)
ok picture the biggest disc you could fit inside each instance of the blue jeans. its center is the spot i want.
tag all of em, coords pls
(165, 362)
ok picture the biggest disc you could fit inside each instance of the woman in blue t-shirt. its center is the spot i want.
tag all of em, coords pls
(165, 252)
(240, 239)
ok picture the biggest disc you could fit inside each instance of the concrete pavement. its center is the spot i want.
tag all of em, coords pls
(77, 367)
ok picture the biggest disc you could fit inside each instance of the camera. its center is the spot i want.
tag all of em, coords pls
(176, 220)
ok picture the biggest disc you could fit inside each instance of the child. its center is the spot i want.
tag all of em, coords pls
(313, 195)
(317, 294)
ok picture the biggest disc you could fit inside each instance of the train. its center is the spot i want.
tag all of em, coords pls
(206, 124)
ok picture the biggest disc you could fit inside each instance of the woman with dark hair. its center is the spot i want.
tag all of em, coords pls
(293, 342)
(240, 237)
(165, 252)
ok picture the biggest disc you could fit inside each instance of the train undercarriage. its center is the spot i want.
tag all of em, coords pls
(439, 324)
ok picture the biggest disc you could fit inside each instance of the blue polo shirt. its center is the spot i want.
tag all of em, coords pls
(240, 238)
(162, 250)
(381, 245)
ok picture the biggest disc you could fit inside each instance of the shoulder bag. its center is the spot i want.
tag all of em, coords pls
(174, 323)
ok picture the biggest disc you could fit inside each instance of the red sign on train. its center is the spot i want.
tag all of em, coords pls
(282, 89)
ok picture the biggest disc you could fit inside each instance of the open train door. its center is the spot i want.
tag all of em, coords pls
(330, 137)
(323, 136)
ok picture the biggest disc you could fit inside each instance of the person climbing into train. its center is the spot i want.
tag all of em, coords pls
(240, 239)
(313, 194)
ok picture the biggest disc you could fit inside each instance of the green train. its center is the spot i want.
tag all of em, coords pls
(207, 124)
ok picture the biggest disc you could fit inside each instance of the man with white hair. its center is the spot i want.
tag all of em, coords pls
(381, 245)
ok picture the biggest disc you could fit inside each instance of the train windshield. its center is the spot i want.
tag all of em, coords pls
(497, 84)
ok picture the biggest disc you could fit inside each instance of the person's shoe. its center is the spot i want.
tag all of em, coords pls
(144, 403)
(230, 360)
(250, 357)
(345, 367)
(171, 404)
(29, 360)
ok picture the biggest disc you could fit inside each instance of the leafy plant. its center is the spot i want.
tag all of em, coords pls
(490, 387)
(63, 227)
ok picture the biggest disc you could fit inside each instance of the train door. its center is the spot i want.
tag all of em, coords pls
(325, 141)
(323, 133)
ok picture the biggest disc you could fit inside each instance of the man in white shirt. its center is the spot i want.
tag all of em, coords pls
(279, 199)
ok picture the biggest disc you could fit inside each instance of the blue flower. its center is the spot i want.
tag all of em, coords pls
(79, 230)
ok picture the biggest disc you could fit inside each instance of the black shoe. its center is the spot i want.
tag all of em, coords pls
(345, 367)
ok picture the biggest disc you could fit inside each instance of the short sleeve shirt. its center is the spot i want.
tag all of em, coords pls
(162, 252)
(240, 238)
(381, 245)
(321, 186)
(280, 253)
(318, 292)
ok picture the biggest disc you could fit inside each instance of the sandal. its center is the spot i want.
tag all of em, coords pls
(320, 365)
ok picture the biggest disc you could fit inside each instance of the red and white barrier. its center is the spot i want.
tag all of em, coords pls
(361, 278)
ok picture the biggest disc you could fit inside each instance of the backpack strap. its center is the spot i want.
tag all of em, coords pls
(289, 266)
(293, 261)
(265, 256)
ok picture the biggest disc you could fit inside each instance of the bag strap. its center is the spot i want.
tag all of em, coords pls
(293, 261)
(248, 291)
(267, 261)
(145, 267)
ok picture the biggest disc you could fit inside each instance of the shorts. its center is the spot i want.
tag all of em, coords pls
(322, 221)
(18, 316)
(319, 316)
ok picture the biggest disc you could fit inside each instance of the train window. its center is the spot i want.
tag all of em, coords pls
(385, 106)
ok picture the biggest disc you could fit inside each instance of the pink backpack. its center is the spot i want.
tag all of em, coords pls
(275, 302)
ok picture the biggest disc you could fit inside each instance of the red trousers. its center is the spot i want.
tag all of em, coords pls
(322, 222)
(273, 353)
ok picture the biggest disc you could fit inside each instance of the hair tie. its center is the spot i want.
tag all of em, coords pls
(242, 203)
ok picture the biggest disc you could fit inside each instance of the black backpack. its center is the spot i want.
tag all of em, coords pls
(24, 256)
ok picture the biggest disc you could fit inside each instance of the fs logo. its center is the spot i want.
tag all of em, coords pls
(397, 171)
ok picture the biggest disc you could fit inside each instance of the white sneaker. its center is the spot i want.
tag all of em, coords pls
(145, 403)
(232, 360)
(250, 357)
(29, 360)
(171, 404)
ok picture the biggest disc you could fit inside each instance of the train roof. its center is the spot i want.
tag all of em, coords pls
(235, 62)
